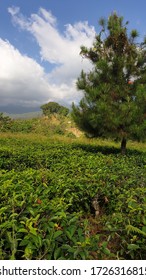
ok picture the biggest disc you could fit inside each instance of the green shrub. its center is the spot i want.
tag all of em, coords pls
(47, 189)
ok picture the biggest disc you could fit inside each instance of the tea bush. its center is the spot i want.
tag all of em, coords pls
(46, 211)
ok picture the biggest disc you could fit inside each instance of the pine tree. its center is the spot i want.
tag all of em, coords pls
(114, 100)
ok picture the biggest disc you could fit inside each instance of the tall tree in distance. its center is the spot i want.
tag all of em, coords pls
(54, 108)
(114, 101)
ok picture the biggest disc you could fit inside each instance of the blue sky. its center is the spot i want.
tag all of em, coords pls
(40, 43)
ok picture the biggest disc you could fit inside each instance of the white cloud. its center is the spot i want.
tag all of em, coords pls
(13, 10)
(23, 80)
(54, 46)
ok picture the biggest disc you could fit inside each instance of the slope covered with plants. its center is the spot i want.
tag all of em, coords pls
(47, 191)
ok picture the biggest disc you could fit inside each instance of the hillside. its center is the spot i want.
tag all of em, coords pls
(66, 196)
(55, 124)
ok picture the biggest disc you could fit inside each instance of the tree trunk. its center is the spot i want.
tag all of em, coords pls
(123, 146)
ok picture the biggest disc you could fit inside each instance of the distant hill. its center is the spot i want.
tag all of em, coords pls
(18, 109)
(25, 116)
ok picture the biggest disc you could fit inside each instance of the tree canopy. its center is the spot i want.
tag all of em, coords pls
(54, 108)
(114, 91)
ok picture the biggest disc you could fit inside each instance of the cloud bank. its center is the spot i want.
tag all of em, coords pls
(23, 81)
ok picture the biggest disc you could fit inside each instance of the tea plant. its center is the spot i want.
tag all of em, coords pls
(47, 189)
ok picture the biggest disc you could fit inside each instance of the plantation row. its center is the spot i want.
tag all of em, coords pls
(46, 210)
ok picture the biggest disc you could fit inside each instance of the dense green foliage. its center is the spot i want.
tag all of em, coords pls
(54, 108)
(47, 188)
(115, 89)
(5, 122)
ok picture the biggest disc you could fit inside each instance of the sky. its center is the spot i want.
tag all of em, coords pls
(40, 44)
